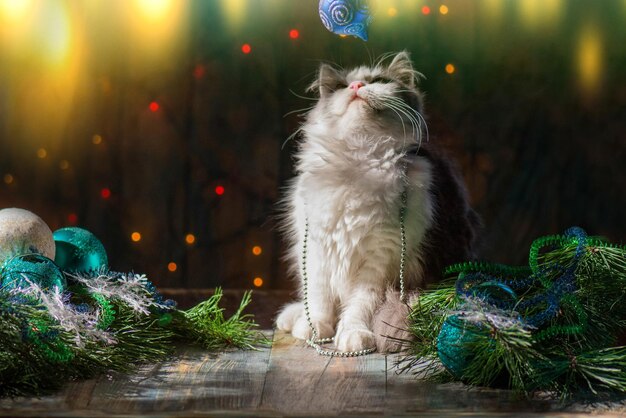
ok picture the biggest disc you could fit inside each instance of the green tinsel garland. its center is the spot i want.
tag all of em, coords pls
(551, 326)
(105, 321)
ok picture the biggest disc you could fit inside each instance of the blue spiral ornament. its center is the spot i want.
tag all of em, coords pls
(345, 17)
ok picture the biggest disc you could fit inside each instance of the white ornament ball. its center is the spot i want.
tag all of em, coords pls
(23, 232)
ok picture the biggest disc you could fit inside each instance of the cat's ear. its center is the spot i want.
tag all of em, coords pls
(328, 80)
(401, 69)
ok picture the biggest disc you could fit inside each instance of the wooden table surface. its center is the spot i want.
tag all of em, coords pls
(288, 379)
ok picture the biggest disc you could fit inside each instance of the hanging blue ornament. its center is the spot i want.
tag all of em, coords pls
(23, 270)
(346, 17)
(79, 251)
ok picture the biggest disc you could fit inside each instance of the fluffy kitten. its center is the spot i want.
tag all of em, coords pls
(361, 149)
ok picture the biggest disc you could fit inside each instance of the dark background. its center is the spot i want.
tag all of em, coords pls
(128, 116)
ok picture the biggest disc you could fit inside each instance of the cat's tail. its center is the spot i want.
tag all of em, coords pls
(391, 322)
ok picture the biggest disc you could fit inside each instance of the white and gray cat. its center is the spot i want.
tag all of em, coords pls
(361, 149)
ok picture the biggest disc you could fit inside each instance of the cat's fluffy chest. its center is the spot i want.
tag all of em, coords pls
(350, 198)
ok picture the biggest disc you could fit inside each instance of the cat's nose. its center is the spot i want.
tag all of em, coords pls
(355, 85)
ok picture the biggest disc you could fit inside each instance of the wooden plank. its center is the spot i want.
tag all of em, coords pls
(193, 380)
(292, 376)
(300, 381)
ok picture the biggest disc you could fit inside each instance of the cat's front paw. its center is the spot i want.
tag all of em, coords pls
(355, 339)
(302, 329)
(289, 315)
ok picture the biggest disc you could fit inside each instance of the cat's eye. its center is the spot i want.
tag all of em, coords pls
(379, 79)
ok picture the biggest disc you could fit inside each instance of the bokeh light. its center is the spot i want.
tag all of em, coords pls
(64, 164)
(171, 266)
(392, 11)
(425, 10)
(72, 219)
(190, 238)
(8, 178)
(258, 281)
(246, 48)
(443, 9)
(42, 153)
(96, 139)
(294, 34)
(257, 250)
(234, 11)
(105, 193)
(590, 60)
(135, 237)
(450, 68)
(154, 106)
(219, 190)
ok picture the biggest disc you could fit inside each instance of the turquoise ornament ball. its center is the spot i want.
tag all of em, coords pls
(454, 344)
(79, 251)
(34, 268)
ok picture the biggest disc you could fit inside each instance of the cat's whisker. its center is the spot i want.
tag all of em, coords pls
(303, 110)
(418, 120)
(290, 137)
(407, 111)
(315, 99)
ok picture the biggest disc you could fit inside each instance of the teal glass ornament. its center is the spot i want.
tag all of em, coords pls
(79, 251)
(34, 268)
(454, 344)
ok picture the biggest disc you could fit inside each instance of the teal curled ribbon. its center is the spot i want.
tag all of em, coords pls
(553, 284)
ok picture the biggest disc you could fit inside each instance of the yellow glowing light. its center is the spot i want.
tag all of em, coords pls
(392, 11)
(64, 164)
(55, 33)
(450, 68)
(156, 26)
(8, 178)
(172, 266)
(539, 12)
(443, 9)
(190, 238)
(258, 281)
(135, 237)
(154, 10)
(96, 139)
(257, 250)
(42, 153)
(15, 10)
(234, 12)
(590, 60)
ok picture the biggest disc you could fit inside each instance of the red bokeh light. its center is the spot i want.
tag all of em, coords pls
(154, 106)
(72, 218)
(198, 71)
(105, 193)
(246, 48)
(426, 10)
(294, 34)
(219, 190)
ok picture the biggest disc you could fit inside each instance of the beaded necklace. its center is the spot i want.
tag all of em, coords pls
(316, 342)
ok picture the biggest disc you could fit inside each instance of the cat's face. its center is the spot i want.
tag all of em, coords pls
(382, 98)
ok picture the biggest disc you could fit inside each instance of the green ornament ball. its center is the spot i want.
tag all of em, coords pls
(79, 251)
(454, 344)
(34, 268)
